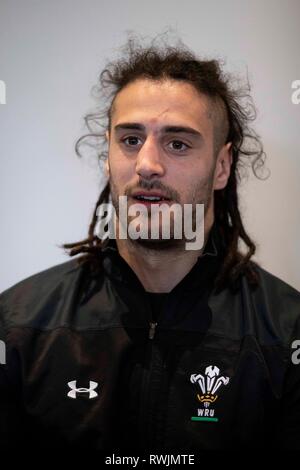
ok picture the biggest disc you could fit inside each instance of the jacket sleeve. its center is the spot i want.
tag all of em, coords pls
(290, 403)
(11, 435)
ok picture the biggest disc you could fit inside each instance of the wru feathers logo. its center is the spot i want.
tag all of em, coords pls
(209, 383)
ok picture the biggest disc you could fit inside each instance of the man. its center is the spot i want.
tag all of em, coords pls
(145, 345)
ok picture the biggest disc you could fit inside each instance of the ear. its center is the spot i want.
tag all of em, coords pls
(223, 166)
(106, 163)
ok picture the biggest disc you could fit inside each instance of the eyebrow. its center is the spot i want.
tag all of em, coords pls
(165, 129)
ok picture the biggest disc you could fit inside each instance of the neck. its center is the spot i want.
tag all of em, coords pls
(160, 269)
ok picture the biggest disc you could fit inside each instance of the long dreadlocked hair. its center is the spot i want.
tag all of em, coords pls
(160, 62)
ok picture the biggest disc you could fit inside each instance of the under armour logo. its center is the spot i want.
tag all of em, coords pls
(75, 390)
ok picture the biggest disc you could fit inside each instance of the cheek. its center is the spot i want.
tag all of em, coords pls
(197, 186)
(120, 172)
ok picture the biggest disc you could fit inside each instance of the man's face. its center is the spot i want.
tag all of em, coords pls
(162, 141)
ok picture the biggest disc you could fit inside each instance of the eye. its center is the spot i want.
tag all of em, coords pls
(131, 141)
(179, 146)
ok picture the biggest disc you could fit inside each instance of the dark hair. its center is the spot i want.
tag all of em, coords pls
(233, 110)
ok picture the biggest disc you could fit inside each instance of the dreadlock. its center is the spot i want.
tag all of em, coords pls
(232, 111)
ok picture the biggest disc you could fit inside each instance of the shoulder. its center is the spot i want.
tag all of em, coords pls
(44, 290)
(283, 298)
(278, 304)
(270, 311)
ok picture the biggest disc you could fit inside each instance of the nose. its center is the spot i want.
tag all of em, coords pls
(149, 160)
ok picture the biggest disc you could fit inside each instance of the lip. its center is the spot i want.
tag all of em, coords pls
(150, 193)
(164, 200)
(151, 203)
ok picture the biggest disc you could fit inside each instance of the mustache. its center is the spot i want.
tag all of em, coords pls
(154, 184)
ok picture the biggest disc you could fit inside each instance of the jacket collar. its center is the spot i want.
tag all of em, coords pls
(200, 276)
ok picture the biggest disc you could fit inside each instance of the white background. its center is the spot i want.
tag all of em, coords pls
(51, 52)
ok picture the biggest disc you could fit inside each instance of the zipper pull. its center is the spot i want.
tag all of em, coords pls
(152, 330)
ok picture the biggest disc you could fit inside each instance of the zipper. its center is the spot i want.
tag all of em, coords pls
(146, 431)
(152, 330)
(144, 438)
(150, 401)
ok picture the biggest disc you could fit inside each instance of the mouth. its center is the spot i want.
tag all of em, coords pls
(149, 199)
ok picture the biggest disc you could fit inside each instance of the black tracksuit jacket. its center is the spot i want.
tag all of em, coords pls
(86, 367)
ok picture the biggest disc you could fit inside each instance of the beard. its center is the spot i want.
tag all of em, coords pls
(202, 194)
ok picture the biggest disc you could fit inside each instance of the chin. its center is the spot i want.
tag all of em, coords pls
(158, 244)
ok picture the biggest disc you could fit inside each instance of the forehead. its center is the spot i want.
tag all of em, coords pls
(162, 102)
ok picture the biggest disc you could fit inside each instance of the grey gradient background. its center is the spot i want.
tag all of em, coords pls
(51, 53)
